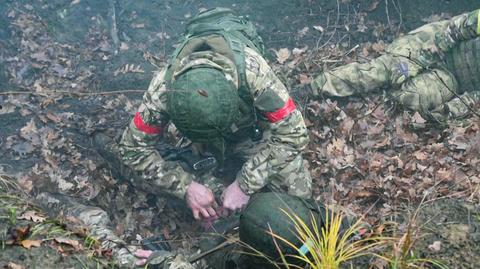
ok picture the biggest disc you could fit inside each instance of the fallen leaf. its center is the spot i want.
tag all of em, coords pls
(282, 55)
(319, 28)
(30, 133)
(40, 56)
(373, 5)
(33, 216)
(25, 112)
(12, 265)
(304, 79)
(71, 242)
(7, 108)
(53, 118)
(362, 194)
(299, 51)
(25, 183)
(365, 51)
(417, 118)
(435, 246)
(30, 243)
(124, 46)
(302, 32)
(336, 146)
(138, 25)
(378, 46)
(65, 185)
(444, 174)
(421, 156)
(19, 233)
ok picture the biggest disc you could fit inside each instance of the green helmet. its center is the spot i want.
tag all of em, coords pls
(203, 104)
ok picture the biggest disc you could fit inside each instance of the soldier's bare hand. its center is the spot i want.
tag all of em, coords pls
(233, 198)
(201, 200)
(142, 256)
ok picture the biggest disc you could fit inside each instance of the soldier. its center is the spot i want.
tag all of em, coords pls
(432, 69)
(220, 93)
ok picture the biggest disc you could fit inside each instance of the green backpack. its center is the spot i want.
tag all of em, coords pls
(266, 212)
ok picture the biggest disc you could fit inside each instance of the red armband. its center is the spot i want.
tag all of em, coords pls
(281, 113)
(143, 127)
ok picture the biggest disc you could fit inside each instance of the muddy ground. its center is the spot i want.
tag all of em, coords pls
(66, 52)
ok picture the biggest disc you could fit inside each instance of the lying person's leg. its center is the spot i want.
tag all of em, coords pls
(427, 93)
(361, 78)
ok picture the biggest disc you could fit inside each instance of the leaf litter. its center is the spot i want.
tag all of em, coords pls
(361, 151)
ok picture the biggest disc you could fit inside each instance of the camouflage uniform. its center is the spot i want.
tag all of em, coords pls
(416, 67)
(274, 161)
(97, 221)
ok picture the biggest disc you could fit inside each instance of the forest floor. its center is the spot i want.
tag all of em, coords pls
(71, 68)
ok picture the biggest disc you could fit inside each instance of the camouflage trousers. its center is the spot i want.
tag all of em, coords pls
(412, 70)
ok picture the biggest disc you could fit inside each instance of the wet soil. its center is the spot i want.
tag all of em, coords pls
(453, 226)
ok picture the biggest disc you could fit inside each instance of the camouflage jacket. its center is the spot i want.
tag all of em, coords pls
(278, 116)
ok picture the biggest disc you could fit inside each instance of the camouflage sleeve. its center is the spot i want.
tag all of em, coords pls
(137, 146)
(288, 134)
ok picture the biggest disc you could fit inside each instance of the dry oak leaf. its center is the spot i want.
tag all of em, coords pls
(282, 55)
(378, 46)
(304, 79)
(30, 133)
(421, 156)
(33, 216)
(417, 118)
(71, 242)
(30, 243)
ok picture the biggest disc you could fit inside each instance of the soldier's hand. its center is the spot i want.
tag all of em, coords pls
(233, 198)
(201, 200)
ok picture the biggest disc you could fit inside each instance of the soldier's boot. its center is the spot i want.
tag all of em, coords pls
(463, 105)
(427, 93)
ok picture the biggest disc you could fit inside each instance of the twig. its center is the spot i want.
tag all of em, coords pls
(388, 15)
(334, 29)
(398, 8)
(70, 93)
(230, 240)
(456, 94)
(113, 26)
(351, 50)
